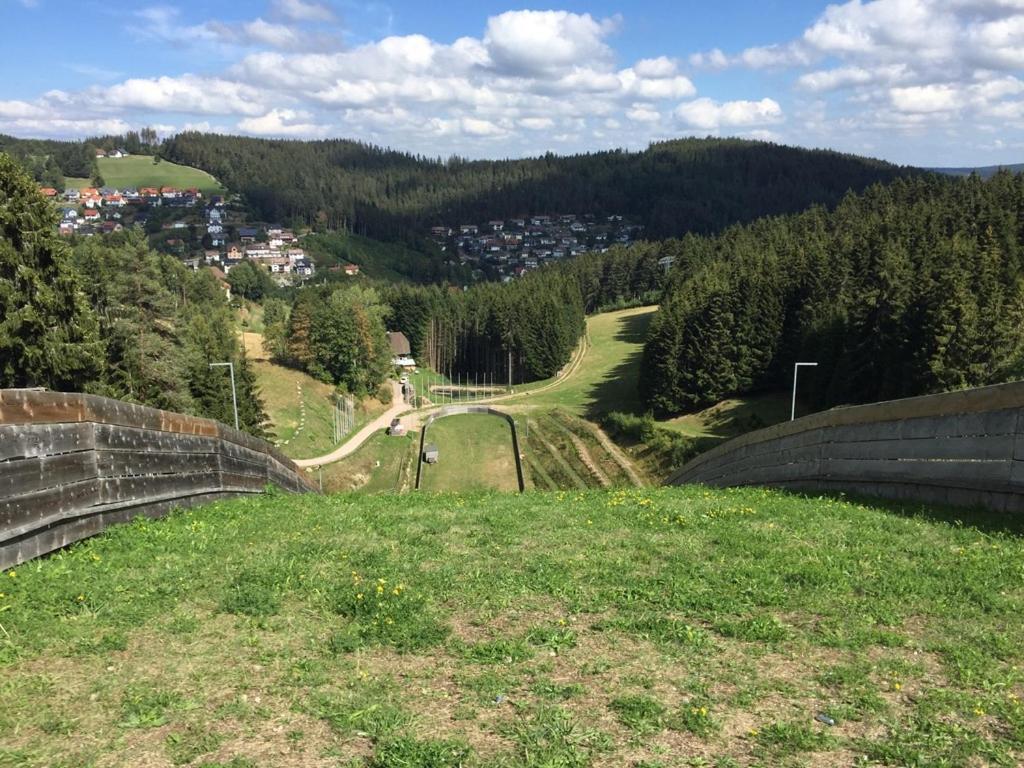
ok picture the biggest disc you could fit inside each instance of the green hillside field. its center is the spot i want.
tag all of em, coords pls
(141, 171)
(669, 627)
(475, 454)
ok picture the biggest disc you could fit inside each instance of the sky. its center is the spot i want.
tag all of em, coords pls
(919, 82)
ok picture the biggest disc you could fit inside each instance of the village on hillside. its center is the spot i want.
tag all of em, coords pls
(509, 248)
(200, 230)
(215, 230)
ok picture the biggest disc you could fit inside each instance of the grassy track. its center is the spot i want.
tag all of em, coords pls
(606, 380)
(669, 627)
(300, 409)
(383, 465)
(140, 171)
(476, 453)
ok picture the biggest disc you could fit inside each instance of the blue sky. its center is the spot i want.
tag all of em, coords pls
(927, 82)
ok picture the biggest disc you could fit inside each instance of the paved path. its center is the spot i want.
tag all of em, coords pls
(414, 418)
(382, 422)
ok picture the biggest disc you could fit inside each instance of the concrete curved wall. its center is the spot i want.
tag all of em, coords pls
(459, 410)
(962, 448)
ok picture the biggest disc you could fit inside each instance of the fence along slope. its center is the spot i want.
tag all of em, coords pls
(73, 464)
(962, 448)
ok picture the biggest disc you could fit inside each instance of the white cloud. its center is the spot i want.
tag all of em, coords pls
(20, 110)
(830, 79)
(643, 114)
(282, 122)
(925, 98)
(62, 127)
(530, 42)
(713, 59)
(707, 114)
(476, 127)
(537, 123)
(188, 94)
(301, 10)
(662, 66)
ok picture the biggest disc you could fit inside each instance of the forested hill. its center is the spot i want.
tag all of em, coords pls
(674, 187)
(985, 171)
(907, 289)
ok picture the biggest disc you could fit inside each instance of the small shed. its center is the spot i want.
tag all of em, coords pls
(430, 453)
(397, 429)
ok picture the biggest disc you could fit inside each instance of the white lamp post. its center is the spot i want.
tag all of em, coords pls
(796, 368)
(234, 397)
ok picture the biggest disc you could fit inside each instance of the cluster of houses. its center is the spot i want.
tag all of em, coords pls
(512, 247)
(91, 211)
(275, 249)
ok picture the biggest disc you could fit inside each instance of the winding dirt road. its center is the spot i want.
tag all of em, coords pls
(398, 407)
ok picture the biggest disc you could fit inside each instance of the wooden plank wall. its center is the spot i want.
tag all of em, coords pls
(962, 448)
(72, 464)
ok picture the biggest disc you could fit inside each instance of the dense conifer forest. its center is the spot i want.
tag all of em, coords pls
(674, 187)
(910, 288)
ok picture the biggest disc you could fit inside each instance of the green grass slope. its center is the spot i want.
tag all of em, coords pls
(141, 171)
(606, 379)
(475, 454)
(376, 259)
(621, 628)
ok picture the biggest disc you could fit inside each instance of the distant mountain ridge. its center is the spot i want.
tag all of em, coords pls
(985, 171)
(672, 187)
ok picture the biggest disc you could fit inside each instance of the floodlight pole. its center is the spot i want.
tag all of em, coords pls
(234, 397)
(796, 368)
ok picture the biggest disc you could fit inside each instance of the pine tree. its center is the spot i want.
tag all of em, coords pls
(49, 336)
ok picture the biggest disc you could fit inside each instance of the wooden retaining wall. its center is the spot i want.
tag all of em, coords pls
(458, 410)
(72, 464)
(962, 448)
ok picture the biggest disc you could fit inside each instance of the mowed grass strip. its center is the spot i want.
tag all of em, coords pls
(476, 453)
(623, 628)
(606, 380)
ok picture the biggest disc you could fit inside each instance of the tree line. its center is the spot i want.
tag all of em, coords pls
(673, 187)
(338, 334)
(49, 161)
(909, 288)
(531, 324)
(109, 316)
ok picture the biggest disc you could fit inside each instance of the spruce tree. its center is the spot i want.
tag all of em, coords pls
(49, 336)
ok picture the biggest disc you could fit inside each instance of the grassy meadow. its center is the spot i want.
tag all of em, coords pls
(141, 171)
(643, 628)
(301, 409)
(475, 454)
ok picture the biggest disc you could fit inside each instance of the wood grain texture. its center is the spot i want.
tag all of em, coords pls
(961, 448)
(72, 464)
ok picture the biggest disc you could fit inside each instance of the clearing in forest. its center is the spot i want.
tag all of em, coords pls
(476, 453)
